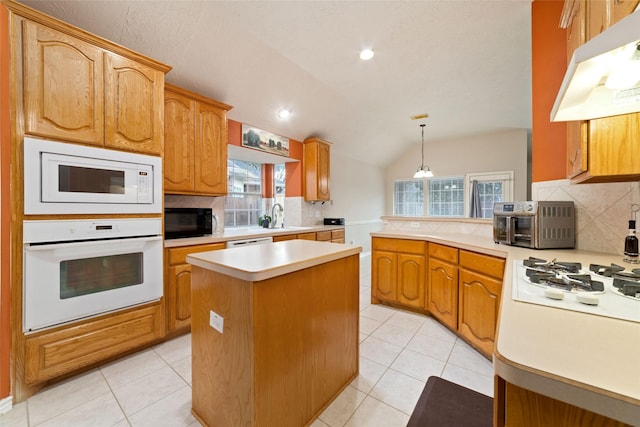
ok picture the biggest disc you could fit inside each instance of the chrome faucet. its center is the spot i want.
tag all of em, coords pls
(274, 216)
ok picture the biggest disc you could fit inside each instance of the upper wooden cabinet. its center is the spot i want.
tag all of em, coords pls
(606, 149)
(317, 167)
(63, 86)
(133, 105)
(195, 143)
(77, 90)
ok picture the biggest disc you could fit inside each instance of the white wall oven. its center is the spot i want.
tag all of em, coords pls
(62, 178)
(79, 268)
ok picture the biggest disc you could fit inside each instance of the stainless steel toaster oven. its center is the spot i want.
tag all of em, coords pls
(535, 224)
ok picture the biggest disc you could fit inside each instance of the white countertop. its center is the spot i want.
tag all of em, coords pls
(587, 360)
(246, 233)
(261, 262)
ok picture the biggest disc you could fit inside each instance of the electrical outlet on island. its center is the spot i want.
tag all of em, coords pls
(216, 321)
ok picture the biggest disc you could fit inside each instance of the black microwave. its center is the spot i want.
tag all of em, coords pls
(187, 222)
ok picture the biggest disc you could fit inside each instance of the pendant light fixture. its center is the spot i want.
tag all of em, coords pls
(423, 171)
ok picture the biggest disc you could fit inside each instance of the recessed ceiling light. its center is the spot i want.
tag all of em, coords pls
(284, 113)
(366, 54)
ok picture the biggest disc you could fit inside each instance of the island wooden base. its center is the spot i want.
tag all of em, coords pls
(517, 406)
(289, 344)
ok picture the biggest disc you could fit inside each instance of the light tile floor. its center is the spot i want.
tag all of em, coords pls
(399, 350)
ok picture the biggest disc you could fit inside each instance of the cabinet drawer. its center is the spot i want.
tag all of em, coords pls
(307, 236)
(323, 236)
(282, 238)
(445, 253)
(52, 354)
(337, 234)
(179, 255)
(485, 264)
(399, 245)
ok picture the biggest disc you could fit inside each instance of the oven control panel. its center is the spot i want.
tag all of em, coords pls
(527, 208)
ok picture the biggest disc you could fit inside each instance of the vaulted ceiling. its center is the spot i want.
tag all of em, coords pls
(467, 63)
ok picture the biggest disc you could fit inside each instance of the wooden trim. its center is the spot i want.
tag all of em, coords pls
(196, 96)
(81, 34)
(5, 208)
(498, 401)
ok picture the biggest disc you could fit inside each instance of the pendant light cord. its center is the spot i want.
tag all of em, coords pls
(422, 164)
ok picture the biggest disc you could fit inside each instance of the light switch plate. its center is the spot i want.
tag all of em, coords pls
(216, 321)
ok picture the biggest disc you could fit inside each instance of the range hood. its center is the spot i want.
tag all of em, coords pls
(603, 76)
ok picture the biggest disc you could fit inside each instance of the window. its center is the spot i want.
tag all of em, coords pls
(408, 198)
(451, 196)
(243, 204)
(446, 196)
(492, 187)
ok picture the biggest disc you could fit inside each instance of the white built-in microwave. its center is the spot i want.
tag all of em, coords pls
(62, 178)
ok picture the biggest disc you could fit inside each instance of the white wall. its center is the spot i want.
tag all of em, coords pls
(500, 151)
(357, 195)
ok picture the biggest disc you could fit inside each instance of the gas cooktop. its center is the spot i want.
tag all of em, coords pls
(604, 290)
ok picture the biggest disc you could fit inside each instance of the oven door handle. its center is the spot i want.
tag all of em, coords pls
(34, 248)
(511, 226)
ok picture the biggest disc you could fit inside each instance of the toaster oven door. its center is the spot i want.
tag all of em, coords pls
(514, 230)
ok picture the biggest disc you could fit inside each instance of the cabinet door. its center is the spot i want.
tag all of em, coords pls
(211, 150)
(316, 174)
(621, 9)
(134, 108)
(411, 277)
(179, 309)
(479, 300)
(597, 18)
(384, 275)
(179, 142)
(63, 86)
(442, 294)
(614, 148)
(324, 159)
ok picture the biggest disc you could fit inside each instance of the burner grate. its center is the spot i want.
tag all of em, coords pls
(552, 266)
(606, 270)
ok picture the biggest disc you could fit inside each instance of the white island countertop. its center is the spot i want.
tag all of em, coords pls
(583, 359)
(261, 262)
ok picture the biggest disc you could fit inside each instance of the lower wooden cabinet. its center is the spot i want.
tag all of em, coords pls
(398, 269)
(442, 295)
(306, 236)
(337, 236)
(460, 288)
(521, 407)
(60, 351)
(178, 284)
(480, 286)
(334, 236)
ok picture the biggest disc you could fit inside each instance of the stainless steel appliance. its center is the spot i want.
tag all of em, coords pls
(534, 224)
(602, 290)
(79, 268)
(188, 222)
(61, 178)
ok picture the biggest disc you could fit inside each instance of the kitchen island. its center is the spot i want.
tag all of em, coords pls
(275, 331)
(554, 366)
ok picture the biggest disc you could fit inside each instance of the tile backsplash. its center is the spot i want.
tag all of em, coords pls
(603, 210)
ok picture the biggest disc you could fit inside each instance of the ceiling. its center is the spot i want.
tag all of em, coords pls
(465, 63)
